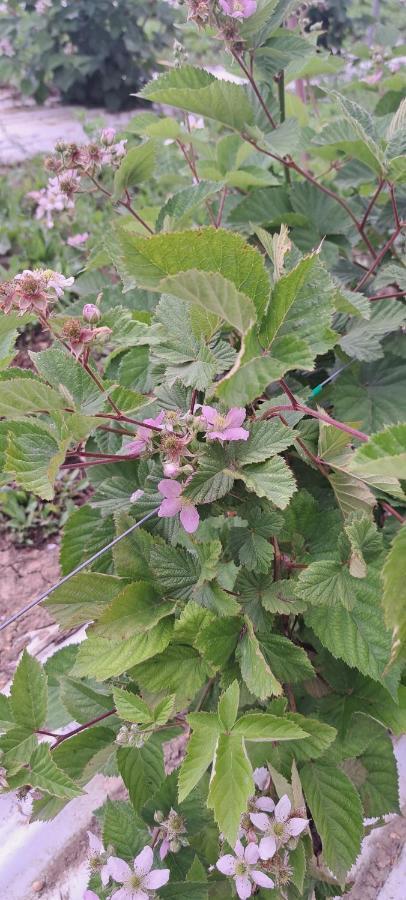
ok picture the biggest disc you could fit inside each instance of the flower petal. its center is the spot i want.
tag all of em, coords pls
(169, 488)
(190, 518)
(266, 804)
(105, 875)
(235, 434)
(143, 862)
(164, 849)
(95, 844)
(210, 414)
(169, 507)
(118, 869)
(239, 849)
(134, 448)
(226, 864)
(243, 885)
(260, 820)
(267, 847)
(156, 879)
(251, 853)
(282, 809)
(261, 879)
(90, 895)
(235, 416)
(261, 778)
(296, 826)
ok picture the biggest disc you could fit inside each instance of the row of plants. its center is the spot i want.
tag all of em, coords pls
(228, 372)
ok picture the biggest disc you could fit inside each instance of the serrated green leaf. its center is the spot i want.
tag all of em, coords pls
(46, 776)
(218, 640)
(19, 397)
(136, 166)
(384, 454)
(131, 707)
(132, 611)
(142, 770)
(272, 479)
(33, 458)
(68, 377)
(337, 813)
(231, 784)
(374, 774)
(84, 754)
(213, 478)
(195, 90)
(175, 569)
(394, 604)
(17, 746)
(266, 439)
(186, 201)
(211, 291)
(29, 695)
(362, 123)
(255, 670)
(287, 661)
(327, 582)
(84, 533)
(102, 658)
(283, 296)
(84, 700)
(199, 755)
(267, 727)
(83, 598)
(150, 260)
(123, 829)
(178, 669)
(227, 709)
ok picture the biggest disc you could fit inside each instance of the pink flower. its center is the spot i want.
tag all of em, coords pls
(241, 867)
(107, 136)
(76, 240)
(97, 859)
(238, 9)
(174, 503)
(144, 436)
(90, 895)
(279, 829)
(140, 883)
(225, 428)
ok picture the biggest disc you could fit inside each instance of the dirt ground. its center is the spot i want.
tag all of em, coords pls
(24, 575)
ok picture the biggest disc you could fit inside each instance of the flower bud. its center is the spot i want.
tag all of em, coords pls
(171, 469)
(107, 136)
(52, 164)
(91, 313)
(61, 146)
(158, 816)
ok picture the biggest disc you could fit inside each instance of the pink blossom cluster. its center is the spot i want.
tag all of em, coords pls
(33, 290)
(174, 446)
(238, 9)
(138, 883)
(56, 197)
(269, 831)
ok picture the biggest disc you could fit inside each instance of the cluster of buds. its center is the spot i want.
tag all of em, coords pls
(131, 736)
(68, 166)
(171, 834)
(33, 291)
(78, 334)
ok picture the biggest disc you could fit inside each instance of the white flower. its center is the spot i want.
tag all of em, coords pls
(241, 867)
(140, 883)
(279, 829)
(58, 282)
(97, 858)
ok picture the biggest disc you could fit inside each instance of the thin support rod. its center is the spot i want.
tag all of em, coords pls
(84, 565)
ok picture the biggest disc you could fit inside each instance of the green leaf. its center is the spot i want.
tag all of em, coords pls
(46, 776)
(384, 454)
(196, 91)
(218, 640)
(68, 377)
(180, 890)
(83, 598)
(29, 695)
(283, 296)
(287, 661)
(84, 754)
(17, 746)
(186, 201)
(84, 533)
(179, 669)
(142, 770)
(102, 658)
(363, 125)
(370, 394)
(213, 478)
(123, 830)
(214, 293)
(362, 339)
(266, 727)
(374, 774)
(150, 260)
(337, 812)
(231, 784)
(394, 576)
(352, 494)
(175, 569)
(134, 610)
(327, 582)
(272, 479)
(33, 458)
(266, 439)
(199, 755)
(255, 670)
(21, 396)
(358, 636)
(131, 707)
(9, 326)
(84, 700)
(136, 166)
(228, 706)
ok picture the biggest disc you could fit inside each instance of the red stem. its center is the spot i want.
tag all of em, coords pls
(392, 512)
(254, 86)
(69, 734)
(387, 296)
(380, 256)
(372, 203)
(324, 417)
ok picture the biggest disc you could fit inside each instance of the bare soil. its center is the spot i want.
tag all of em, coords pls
(25, 573)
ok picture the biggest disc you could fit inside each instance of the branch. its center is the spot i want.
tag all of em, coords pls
(380, 256)
(254, 86)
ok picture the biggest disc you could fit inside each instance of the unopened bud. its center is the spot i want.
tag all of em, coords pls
(171, 469)
(107, 136)
(91, 313)
(61, 146)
